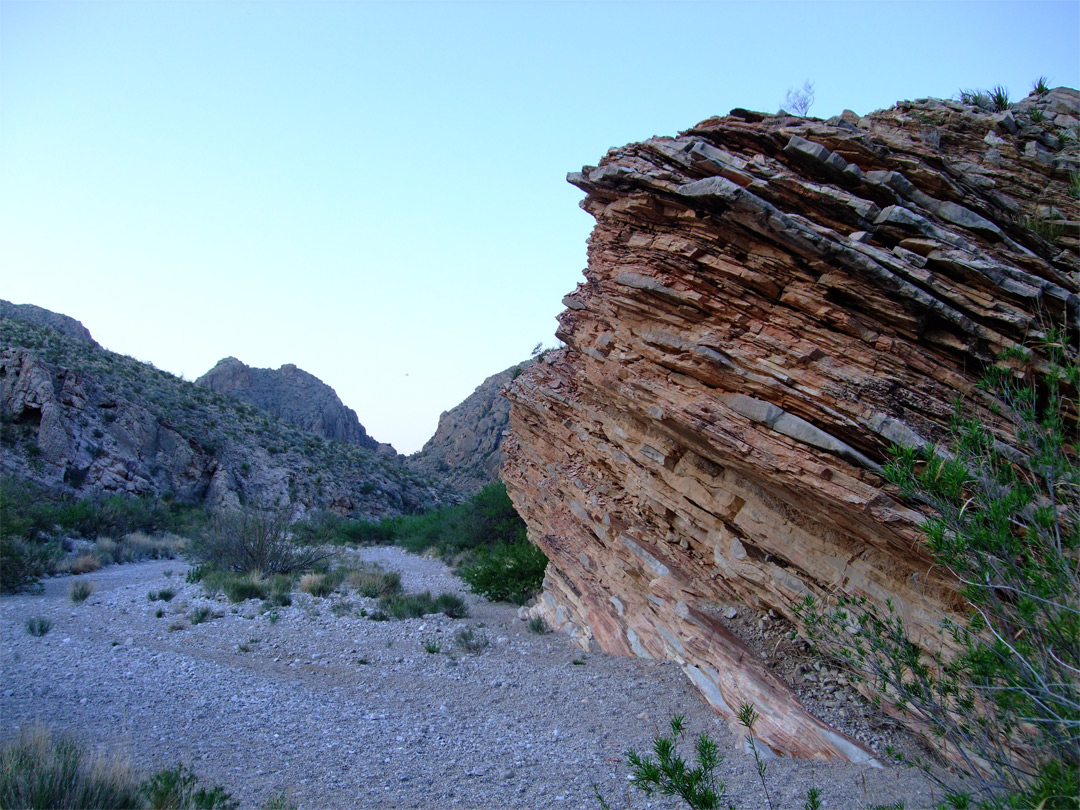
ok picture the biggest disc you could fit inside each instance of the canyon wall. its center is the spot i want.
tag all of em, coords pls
(770, 303)
(466, 450)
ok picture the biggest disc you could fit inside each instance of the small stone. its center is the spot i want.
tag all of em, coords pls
(730, 613)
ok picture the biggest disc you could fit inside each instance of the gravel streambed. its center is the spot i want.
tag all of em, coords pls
(345, 712)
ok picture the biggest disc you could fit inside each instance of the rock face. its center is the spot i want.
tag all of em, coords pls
(289, 393)
(78, 418)
(28, 313)
(466, 450)
(770, 303)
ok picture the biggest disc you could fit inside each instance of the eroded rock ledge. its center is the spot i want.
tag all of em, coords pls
(770, 303)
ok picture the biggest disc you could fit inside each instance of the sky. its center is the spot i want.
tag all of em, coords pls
(376, 192)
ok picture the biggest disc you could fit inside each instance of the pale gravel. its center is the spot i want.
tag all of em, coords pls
(519, 725)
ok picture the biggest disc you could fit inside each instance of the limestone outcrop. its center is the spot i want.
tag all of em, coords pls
(770, 303)
(466, 450)
(292, 394)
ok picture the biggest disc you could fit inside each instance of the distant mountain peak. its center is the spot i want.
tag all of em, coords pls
(39, 316)
(292, 394)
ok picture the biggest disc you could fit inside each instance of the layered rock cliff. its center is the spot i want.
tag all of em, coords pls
(78, 418)
(292, 394)
(466, 450)
(771, 302)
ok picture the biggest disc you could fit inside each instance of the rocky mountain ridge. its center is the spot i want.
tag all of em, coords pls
(81, 419)
(292, 394)
(466, 449)
(770, 303)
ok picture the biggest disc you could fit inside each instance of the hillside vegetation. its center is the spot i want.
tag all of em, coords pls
(87, 421)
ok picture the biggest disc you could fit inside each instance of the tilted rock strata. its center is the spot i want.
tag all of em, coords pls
(770, 303)
(466, 450)
(292, 394)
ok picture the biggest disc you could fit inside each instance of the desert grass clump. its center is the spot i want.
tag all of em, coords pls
(471, 641)
(37, 626)
(538, 625)
(38, 770)
(242, 588)
(1041, 86)
(80, 591)
(432, 645)
(415, 605)
(203, 613)
(85, 564)
(373, 582)
(164, 595)
(342, 608)
(999, 96)
(316, 585)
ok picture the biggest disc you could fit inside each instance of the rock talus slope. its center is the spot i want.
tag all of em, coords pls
(771, 302)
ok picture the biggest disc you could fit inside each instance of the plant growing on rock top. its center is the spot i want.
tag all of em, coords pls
(1004, 691)
(798, 102)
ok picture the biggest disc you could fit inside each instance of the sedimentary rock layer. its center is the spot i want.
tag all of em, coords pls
(770, 303)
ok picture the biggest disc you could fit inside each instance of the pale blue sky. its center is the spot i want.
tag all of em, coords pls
(375, 191)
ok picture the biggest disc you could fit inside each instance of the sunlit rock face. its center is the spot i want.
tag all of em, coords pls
(770, 303)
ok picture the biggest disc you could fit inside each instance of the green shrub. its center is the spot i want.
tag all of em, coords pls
(1003, 690)
(177, 789)
(23, 563)
(486, 519)
(451, 605)
(670, 775)
(253, 541)
(509, 572)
